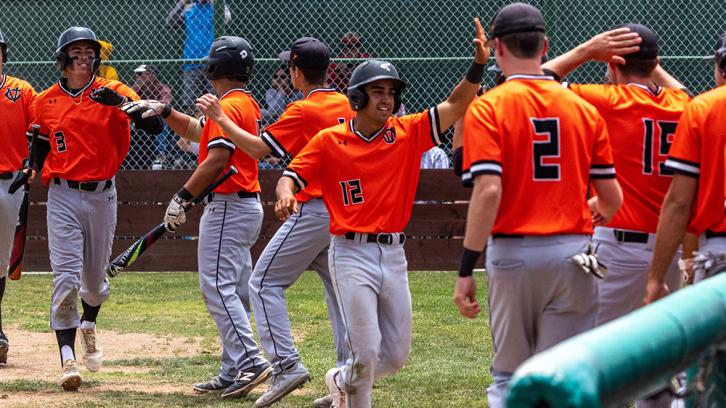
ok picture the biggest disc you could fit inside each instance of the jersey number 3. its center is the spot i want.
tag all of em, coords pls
(352, 192)
(60, 141)
(543, 148)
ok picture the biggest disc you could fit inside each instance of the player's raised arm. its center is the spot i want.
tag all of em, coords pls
(605, 47)
(251, 144)
(454, 107)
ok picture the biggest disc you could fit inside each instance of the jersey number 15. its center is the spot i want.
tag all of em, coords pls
(666, 130)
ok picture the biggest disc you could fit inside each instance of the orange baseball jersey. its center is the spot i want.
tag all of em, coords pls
(698, 151)
(88, 141)
(546, 144)
(321, 109)
(244, 111)
(641, 125)
(368, 183)
(16, 99)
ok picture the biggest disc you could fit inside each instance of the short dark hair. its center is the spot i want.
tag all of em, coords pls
(313, 76)
(524, 45)
(638, 67)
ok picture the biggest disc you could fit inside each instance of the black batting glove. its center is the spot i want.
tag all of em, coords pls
(107, 96)
(20, 180)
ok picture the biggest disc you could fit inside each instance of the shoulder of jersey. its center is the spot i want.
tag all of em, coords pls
(17, 81)
(717, 95)
(108, 83)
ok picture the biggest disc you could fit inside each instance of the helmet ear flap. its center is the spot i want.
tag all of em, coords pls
(358, 99)
(61, 60)
(396, 102)
(721, 61)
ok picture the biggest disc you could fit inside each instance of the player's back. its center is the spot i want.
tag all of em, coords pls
(546, 143)
(641, 124)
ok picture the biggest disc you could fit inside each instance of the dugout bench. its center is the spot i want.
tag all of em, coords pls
(435, 231)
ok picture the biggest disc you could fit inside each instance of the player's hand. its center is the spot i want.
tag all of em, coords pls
(610, 45)
(107, 96)
(655, 290)
(147, 107)
(285, 207)
(465, 297)
(687, 268)
(209, 105)
(175, 215)
(482, 52)
(598, 219)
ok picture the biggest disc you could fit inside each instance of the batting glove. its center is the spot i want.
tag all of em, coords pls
(147, 108)
(175, 213)
(107, 96)
(587, 261)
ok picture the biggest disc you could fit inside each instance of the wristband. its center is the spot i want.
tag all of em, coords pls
(468, 262)
(475, 74)
(166, 111)
(184, 194)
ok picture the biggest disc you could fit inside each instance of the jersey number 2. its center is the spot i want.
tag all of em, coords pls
(352, 192)
(666, 130)
(548, 148)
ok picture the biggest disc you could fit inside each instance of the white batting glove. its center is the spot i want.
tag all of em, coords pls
(147, 108)
(587, 261)
(175, 215)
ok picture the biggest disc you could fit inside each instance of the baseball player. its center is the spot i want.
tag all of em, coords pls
(530, 150)
(16, 98)
(80, 123)
(303, 240)
(367, 169)
(232, 218)
(695, 200)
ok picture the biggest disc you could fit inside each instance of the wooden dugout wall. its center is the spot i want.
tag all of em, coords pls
(435, 231)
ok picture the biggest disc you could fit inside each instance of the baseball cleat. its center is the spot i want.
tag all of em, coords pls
(337, 396)
(283, 384)
(4, 346)
(92, 352)
(71, 379)
(215, 384)
(323, 402)
(247, 380)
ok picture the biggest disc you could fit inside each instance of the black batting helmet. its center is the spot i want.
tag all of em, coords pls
(371, 71)
(75, 34)
(230, 57)
(4, 46)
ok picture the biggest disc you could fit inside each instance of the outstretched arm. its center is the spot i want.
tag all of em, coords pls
(605, 47)
(455, 106)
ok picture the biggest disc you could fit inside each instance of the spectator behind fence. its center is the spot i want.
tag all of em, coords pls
(146, 149)
(278, 96)
(197, 18)
(339, 72)
(106, 70)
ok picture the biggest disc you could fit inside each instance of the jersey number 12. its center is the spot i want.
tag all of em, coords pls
(549, 148)
(352, 192)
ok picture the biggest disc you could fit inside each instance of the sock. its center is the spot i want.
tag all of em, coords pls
(90, 313)
(2, 292)
(66, 340)
(85, 325)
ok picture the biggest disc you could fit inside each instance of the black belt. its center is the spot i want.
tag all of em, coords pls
(240, 194)
(6, 176)
(382, 238)
(631, 236)
(711, 234)
(501, 235)
(85, 185)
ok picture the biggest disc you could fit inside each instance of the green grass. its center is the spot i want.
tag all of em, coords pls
(448, 366)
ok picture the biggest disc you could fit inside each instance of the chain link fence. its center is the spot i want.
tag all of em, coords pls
(428, 40)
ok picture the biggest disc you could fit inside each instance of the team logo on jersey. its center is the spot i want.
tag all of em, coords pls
(389, 136)
(13, 94)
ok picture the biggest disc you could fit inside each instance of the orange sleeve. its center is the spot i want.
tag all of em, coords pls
(28, 97)
(284, 136)
(424, 127)
(684, 155)
(125, 90)
(601, 166)
(305, 167)
(597, 95)
(37, 118)
(482, 145)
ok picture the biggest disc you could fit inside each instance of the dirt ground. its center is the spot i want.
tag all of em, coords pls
(34, 357)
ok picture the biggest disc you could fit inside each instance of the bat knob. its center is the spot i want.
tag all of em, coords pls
(113, 270)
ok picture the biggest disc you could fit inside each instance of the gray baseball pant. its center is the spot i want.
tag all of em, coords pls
(716, 246)
(301, 242)
(371, 283)
(537, 298)
(229, 227)
(81, 226)
(623, 289)
(9, 209)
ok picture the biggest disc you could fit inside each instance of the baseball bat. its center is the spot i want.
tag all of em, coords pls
(21, 229)
(132, 253)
